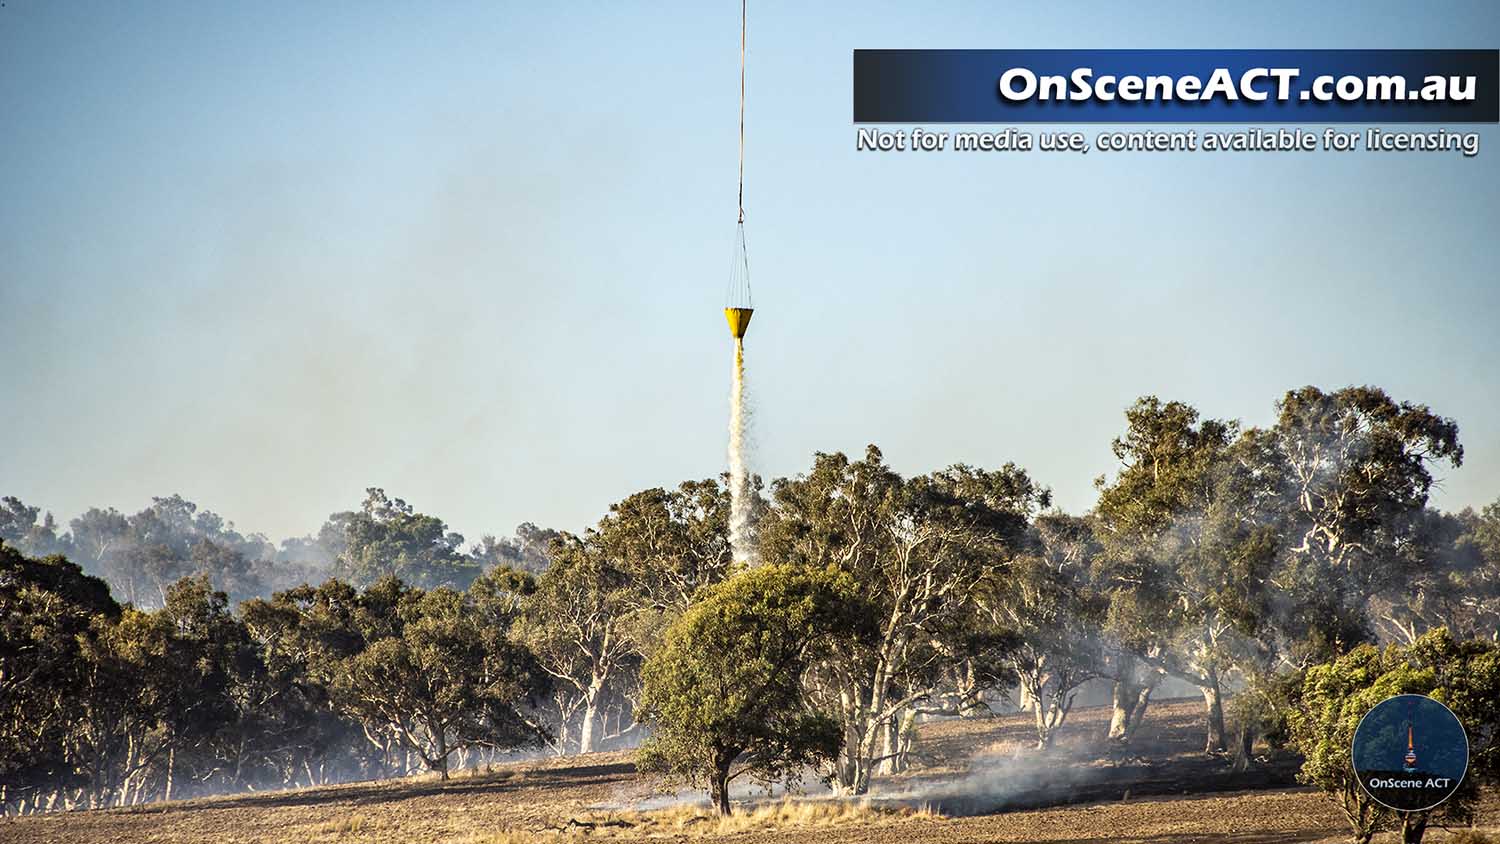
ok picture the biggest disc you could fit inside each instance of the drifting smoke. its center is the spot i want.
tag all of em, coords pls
(743, 792)
(996, 782)
(740, 543)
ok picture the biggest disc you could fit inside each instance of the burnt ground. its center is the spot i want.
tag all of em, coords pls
(980, 774)
(984, 765)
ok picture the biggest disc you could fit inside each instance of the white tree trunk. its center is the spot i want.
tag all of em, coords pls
(586, 730)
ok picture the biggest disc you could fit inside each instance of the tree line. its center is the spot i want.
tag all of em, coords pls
(142, 554)
(1228, 557)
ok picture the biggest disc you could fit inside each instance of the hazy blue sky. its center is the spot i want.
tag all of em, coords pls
(268, 254)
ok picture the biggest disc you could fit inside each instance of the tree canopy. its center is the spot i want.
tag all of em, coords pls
(724, 694)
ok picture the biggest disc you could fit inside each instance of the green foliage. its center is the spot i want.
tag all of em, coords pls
(724, 693)
(669, 543)
(499, 595)
(1452, 580)
(1049, 620)
(48, 613)
(607, 597)
(388, 538)
(919, 548)
(1355, 465)
(1332, 698)
(578, 623)
(101, 705)
(527, 551)
(1233, 552)
(1187, 559)
(1168, 457)
(24, 528)
(441, 680)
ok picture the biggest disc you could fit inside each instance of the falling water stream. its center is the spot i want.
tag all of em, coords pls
(740, 543)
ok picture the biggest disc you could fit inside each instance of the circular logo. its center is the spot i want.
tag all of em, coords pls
(1410, 753)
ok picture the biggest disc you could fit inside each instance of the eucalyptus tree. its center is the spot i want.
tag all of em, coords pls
(1044, 605)
(50, 611)
(671, 543)
(25, 528)
(1452, 579)
(1477, 611)
(526, 551)
(389, 538)
(135, 689)
(606, 598)
(1357, 468)
(919, 548)
(725, 693)
(1186, 561)
(578, 623)
(306, 636)
(300, 737)
(442, 682)
(140, 555)
(499, 595)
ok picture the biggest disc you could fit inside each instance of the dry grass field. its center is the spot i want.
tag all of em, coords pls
(973, 781)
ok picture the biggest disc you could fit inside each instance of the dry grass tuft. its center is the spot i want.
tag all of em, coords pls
(695, 820)
(1472, 836)
(510, 836)
(692, 821)
(351, 826)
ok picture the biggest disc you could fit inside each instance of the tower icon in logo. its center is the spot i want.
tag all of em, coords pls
(1411, 751)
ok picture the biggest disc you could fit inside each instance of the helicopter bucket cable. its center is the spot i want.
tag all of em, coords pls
(743, 26)
(738, 303)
